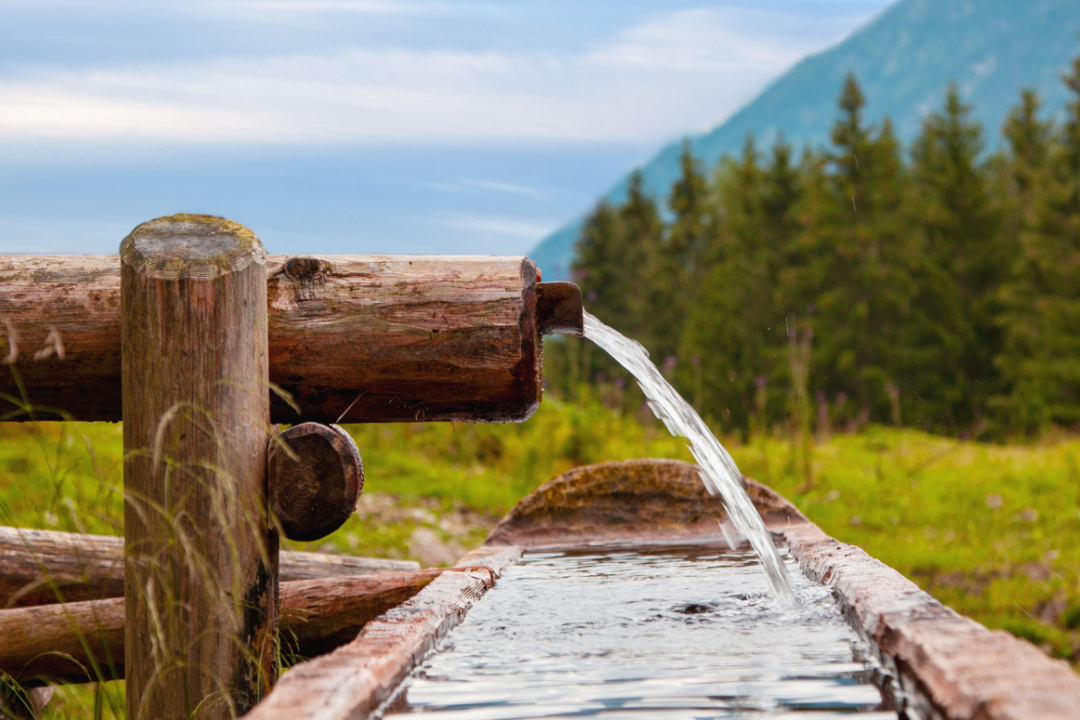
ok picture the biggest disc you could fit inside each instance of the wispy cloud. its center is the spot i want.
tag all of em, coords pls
(676, 72)
(308, 6)
(503, 187)
(511, 227)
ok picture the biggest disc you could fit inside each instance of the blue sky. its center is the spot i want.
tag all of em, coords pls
(404, 126)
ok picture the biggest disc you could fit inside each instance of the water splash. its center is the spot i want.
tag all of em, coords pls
(718, 470)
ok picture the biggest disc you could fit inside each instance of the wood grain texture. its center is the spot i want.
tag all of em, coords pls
(201, 561)
(660, 500)
(356, 678)
(314, 477)
(948, 666)
(39, 567)
(84, 641)
(352, 338)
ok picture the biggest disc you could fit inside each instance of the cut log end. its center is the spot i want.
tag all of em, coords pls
(315, 479)
(190, 246)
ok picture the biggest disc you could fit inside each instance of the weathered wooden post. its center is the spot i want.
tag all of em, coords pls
(201, 562)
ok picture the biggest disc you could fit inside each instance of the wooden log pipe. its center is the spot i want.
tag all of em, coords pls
(352, 338)
(37, 565)
(84, 641)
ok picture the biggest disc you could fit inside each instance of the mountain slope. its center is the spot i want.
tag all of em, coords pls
(904, 60)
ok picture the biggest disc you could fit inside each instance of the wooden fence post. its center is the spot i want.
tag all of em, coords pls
(200, 560)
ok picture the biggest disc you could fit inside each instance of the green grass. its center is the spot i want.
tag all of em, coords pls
(988, 529)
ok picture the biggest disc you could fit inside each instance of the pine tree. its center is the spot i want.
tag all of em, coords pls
(675, 284)
(723, 326)
(689, 233)
(854, 279)
(1028, 141)
(639, 264)
(597, 263)
(963, 266)
(783, 193)
(1041, 354)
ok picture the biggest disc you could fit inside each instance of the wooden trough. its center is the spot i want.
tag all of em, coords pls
(372, 631)
(199, 341)
(940, 665)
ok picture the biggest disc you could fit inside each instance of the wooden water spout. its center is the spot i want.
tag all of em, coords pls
(351, 338)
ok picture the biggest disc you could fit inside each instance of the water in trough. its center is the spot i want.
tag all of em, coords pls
(679, 633)
(672, 633)
(718, 470)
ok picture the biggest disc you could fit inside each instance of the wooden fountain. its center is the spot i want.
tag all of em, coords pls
(200, 343)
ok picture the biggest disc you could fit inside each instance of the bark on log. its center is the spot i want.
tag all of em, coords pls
(84, 641)
(201, 562)
(352, 338)
(39, 567)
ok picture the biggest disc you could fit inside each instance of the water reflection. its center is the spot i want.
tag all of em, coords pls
(678, 634)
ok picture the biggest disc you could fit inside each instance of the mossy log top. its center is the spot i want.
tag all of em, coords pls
(352, 338)
(197, 247)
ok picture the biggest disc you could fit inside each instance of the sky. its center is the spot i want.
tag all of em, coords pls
(365, 126)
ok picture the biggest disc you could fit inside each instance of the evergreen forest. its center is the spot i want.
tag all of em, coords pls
(820, 289)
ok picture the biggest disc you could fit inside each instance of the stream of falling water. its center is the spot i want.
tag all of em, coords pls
(718, 470)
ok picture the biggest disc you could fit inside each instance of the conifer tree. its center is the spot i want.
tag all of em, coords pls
(782, 196)
(721, 327)
(679, 264)
(597, 261)
(854, 281)
(963, 268)
(1041, 354)
(639, 266)
(1028, 141)
(688, 236)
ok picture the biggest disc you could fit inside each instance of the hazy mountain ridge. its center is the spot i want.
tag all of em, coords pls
(904, 59)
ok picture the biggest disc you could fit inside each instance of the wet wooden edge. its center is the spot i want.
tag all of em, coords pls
(355, 679)
(947, 666)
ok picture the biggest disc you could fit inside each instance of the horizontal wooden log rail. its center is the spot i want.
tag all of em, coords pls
(84, 641)
(352, 338)
(36, 565)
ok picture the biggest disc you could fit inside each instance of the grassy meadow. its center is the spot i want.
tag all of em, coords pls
(985, 528)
